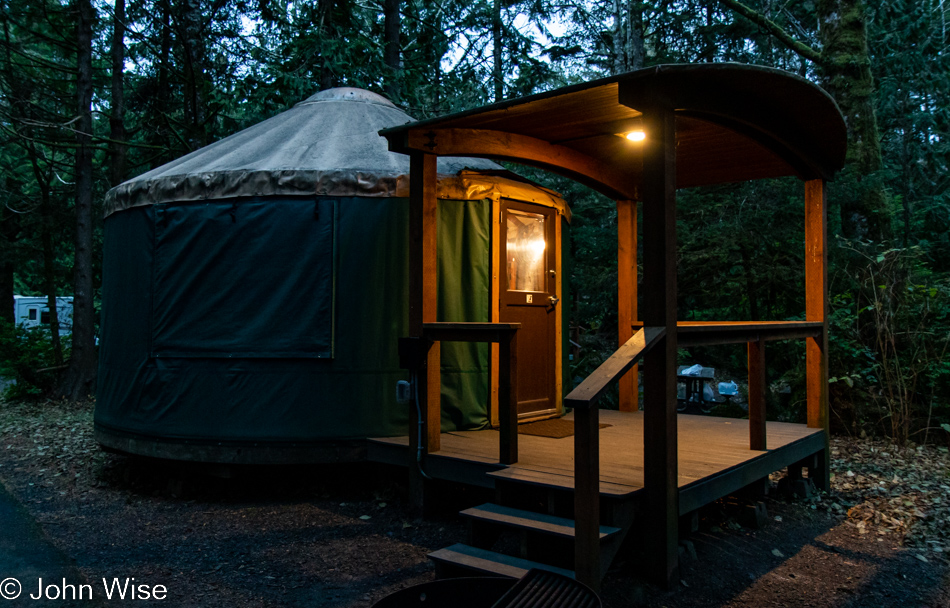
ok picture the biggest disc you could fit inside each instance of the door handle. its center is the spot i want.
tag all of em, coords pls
(554, 300)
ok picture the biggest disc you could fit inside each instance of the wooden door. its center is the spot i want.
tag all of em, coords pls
(528, 296)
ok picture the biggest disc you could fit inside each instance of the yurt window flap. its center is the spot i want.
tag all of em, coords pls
(244, 278)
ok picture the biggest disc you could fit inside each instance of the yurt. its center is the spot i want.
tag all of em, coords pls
(254, 291)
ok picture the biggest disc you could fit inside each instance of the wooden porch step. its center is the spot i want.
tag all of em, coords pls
(483, 561)
(530, 521)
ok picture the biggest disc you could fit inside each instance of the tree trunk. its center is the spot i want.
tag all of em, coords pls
(619, 40)
(160, 137)
(49, 284)
(9, 233)
(193, 44)
(636, 47)
(709, 46)
(391, 49)
(629, 50)
(7, 302)
(498, 76)
(846, 67)
(436, 53)
(750, 287)
(767, 50)
(325, 25)
(118, 148)
(49, 264)
(79, 382)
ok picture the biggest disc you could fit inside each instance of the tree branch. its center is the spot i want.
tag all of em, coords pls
(773, 28)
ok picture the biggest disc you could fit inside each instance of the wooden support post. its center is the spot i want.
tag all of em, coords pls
(508, 400)
(430, 302)
(659, 310)
(422, 309)
(757, 382)
(587, 496)
(497, 268)
(627, 296)
(816, 309)
(559, 366)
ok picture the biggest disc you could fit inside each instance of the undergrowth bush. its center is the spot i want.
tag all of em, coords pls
(890, 345)
(25, 352)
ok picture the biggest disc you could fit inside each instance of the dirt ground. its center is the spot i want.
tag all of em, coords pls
(339, 536)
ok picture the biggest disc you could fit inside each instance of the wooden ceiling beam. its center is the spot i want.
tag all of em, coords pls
(612, 181)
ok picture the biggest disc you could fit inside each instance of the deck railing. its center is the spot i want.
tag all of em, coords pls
(584, 400)
(506, 336)
(586, 415)
(755, 334)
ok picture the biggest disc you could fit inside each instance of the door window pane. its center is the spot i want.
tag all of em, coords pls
(525, 251)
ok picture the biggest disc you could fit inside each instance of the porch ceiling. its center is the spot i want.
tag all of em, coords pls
(734, 123)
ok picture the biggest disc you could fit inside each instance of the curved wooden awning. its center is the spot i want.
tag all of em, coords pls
(733, 123)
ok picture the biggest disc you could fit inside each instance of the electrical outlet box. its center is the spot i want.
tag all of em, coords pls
(403, 392)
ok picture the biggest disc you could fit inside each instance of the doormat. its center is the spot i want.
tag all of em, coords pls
(555, 428)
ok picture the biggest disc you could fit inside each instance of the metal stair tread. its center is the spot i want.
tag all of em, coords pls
(529, 520)
(490, 562)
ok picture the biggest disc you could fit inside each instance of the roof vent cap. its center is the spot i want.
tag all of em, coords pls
(349, 94)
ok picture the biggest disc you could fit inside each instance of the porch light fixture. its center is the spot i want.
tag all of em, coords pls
(637, 135)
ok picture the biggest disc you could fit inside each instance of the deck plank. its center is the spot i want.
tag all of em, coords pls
(708, 446)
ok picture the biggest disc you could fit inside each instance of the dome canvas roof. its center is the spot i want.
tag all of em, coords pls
(327, 145)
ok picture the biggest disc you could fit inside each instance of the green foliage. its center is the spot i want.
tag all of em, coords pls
(36, 63)
(25, 354)
(890, 343)
(908, 42)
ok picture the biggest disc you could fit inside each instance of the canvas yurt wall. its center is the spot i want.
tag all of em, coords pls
(253, 290)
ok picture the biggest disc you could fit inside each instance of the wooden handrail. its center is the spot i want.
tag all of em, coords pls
(754, 334)
(587, 448)
(506, 335)
(593, 387)
(708, 333)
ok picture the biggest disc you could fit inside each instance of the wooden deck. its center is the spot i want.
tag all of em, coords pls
(714, 456)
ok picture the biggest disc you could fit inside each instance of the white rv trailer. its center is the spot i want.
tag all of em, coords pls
(30, 311)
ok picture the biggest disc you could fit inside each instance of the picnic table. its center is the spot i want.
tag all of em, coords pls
(694, 386)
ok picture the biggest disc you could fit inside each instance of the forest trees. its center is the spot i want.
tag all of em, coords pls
(95, 91)
(37, 80)
(843, 62)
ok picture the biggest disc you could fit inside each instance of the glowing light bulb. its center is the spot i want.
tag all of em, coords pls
(636, 135)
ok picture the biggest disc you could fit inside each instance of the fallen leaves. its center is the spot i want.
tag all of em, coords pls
(884, 489)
